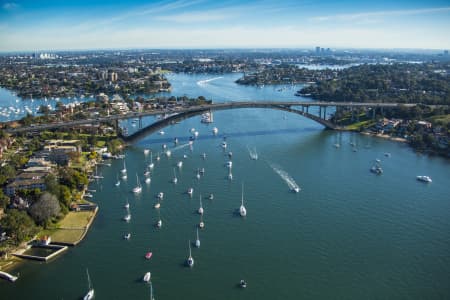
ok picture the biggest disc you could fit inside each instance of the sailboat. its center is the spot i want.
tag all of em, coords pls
(190, 260)
(138, 188)
(90, 293)
(159, 223)
(117, 182)
(151, 165)
(127, 217)
(201, 224)
(197, 241)
(242, 210)
(124, 170)
(147, 277)
(146, 151)
(127, 205)
(175, 179)
(200, 209)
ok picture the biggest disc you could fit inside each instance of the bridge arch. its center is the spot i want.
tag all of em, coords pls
(158, 125)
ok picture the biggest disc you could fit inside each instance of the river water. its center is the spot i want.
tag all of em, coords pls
(348, 234)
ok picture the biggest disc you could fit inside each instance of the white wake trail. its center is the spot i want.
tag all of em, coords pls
(286, 177)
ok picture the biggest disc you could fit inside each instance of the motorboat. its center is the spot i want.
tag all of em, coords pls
(148, 255)
(147, 277)
(157, 205)
(230, 176)
(387, 154)
(229, 164)
(90, 293)
(159, 223)
(215, 130)
(376, 170)
(162, 132)
(198, 174)
(148, 180)
(424, 178)
(204, 155)
(230, 155)
(242, 209)
(211, 196)
(224, 145)
(127, 205)
(190, 260)
(160, 195)
(180, 164)
(243, 283)
(147, 173)
(146, 151)
(168, 153)
(190, 191)
(296, 189)
(127, 236)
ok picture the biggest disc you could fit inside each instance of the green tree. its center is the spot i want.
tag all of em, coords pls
(18, 225)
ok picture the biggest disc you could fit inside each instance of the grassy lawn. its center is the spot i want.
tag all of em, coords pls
(356, 126)
(67, 235)
(442, 118)
(76, 219)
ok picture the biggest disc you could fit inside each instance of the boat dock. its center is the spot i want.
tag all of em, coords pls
(8, 276)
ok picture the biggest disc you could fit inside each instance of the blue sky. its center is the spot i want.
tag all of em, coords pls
(93, 24)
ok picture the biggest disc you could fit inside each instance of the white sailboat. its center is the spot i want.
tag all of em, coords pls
(124, 170)
(138, 188)
(201, 224)
(190, 260)
(90, 293)
(127, 217)
(151, 165)
(117, 182)
(159, 223)
(175, 179)
(242, 210)
(146, 151)
(197, 241)
(200, 209)
(147, 277)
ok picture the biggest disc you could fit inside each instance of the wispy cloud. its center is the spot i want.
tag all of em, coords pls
(198, 16)
(378, 14)
(10, 6)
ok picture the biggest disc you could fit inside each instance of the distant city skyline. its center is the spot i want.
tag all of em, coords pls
(27, 25)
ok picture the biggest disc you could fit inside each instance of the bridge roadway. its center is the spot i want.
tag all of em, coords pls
(207, 107)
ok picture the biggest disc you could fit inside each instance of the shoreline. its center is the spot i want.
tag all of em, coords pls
(385, 136)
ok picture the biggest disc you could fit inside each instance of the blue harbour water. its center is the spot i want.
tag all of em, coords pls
(348, 234)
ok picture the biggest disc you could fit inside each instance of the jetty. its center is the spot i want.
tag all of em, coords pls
(8, 276)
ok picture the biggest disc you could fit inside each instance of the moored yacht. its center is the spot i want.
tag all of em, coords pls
(190, 191)
(200, 209)
(190, 260)
(242, 209)
(138, 188)
(424, 178)
(147, 277)
(197, 241)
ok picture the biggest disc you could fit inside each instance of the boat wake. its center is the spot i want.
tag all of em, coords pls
(180, 147)
(293, 186)
(252, 152)
(203, 82)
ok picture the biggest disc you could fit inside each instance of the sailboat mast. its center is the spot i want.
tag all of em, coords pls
(242, 195)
